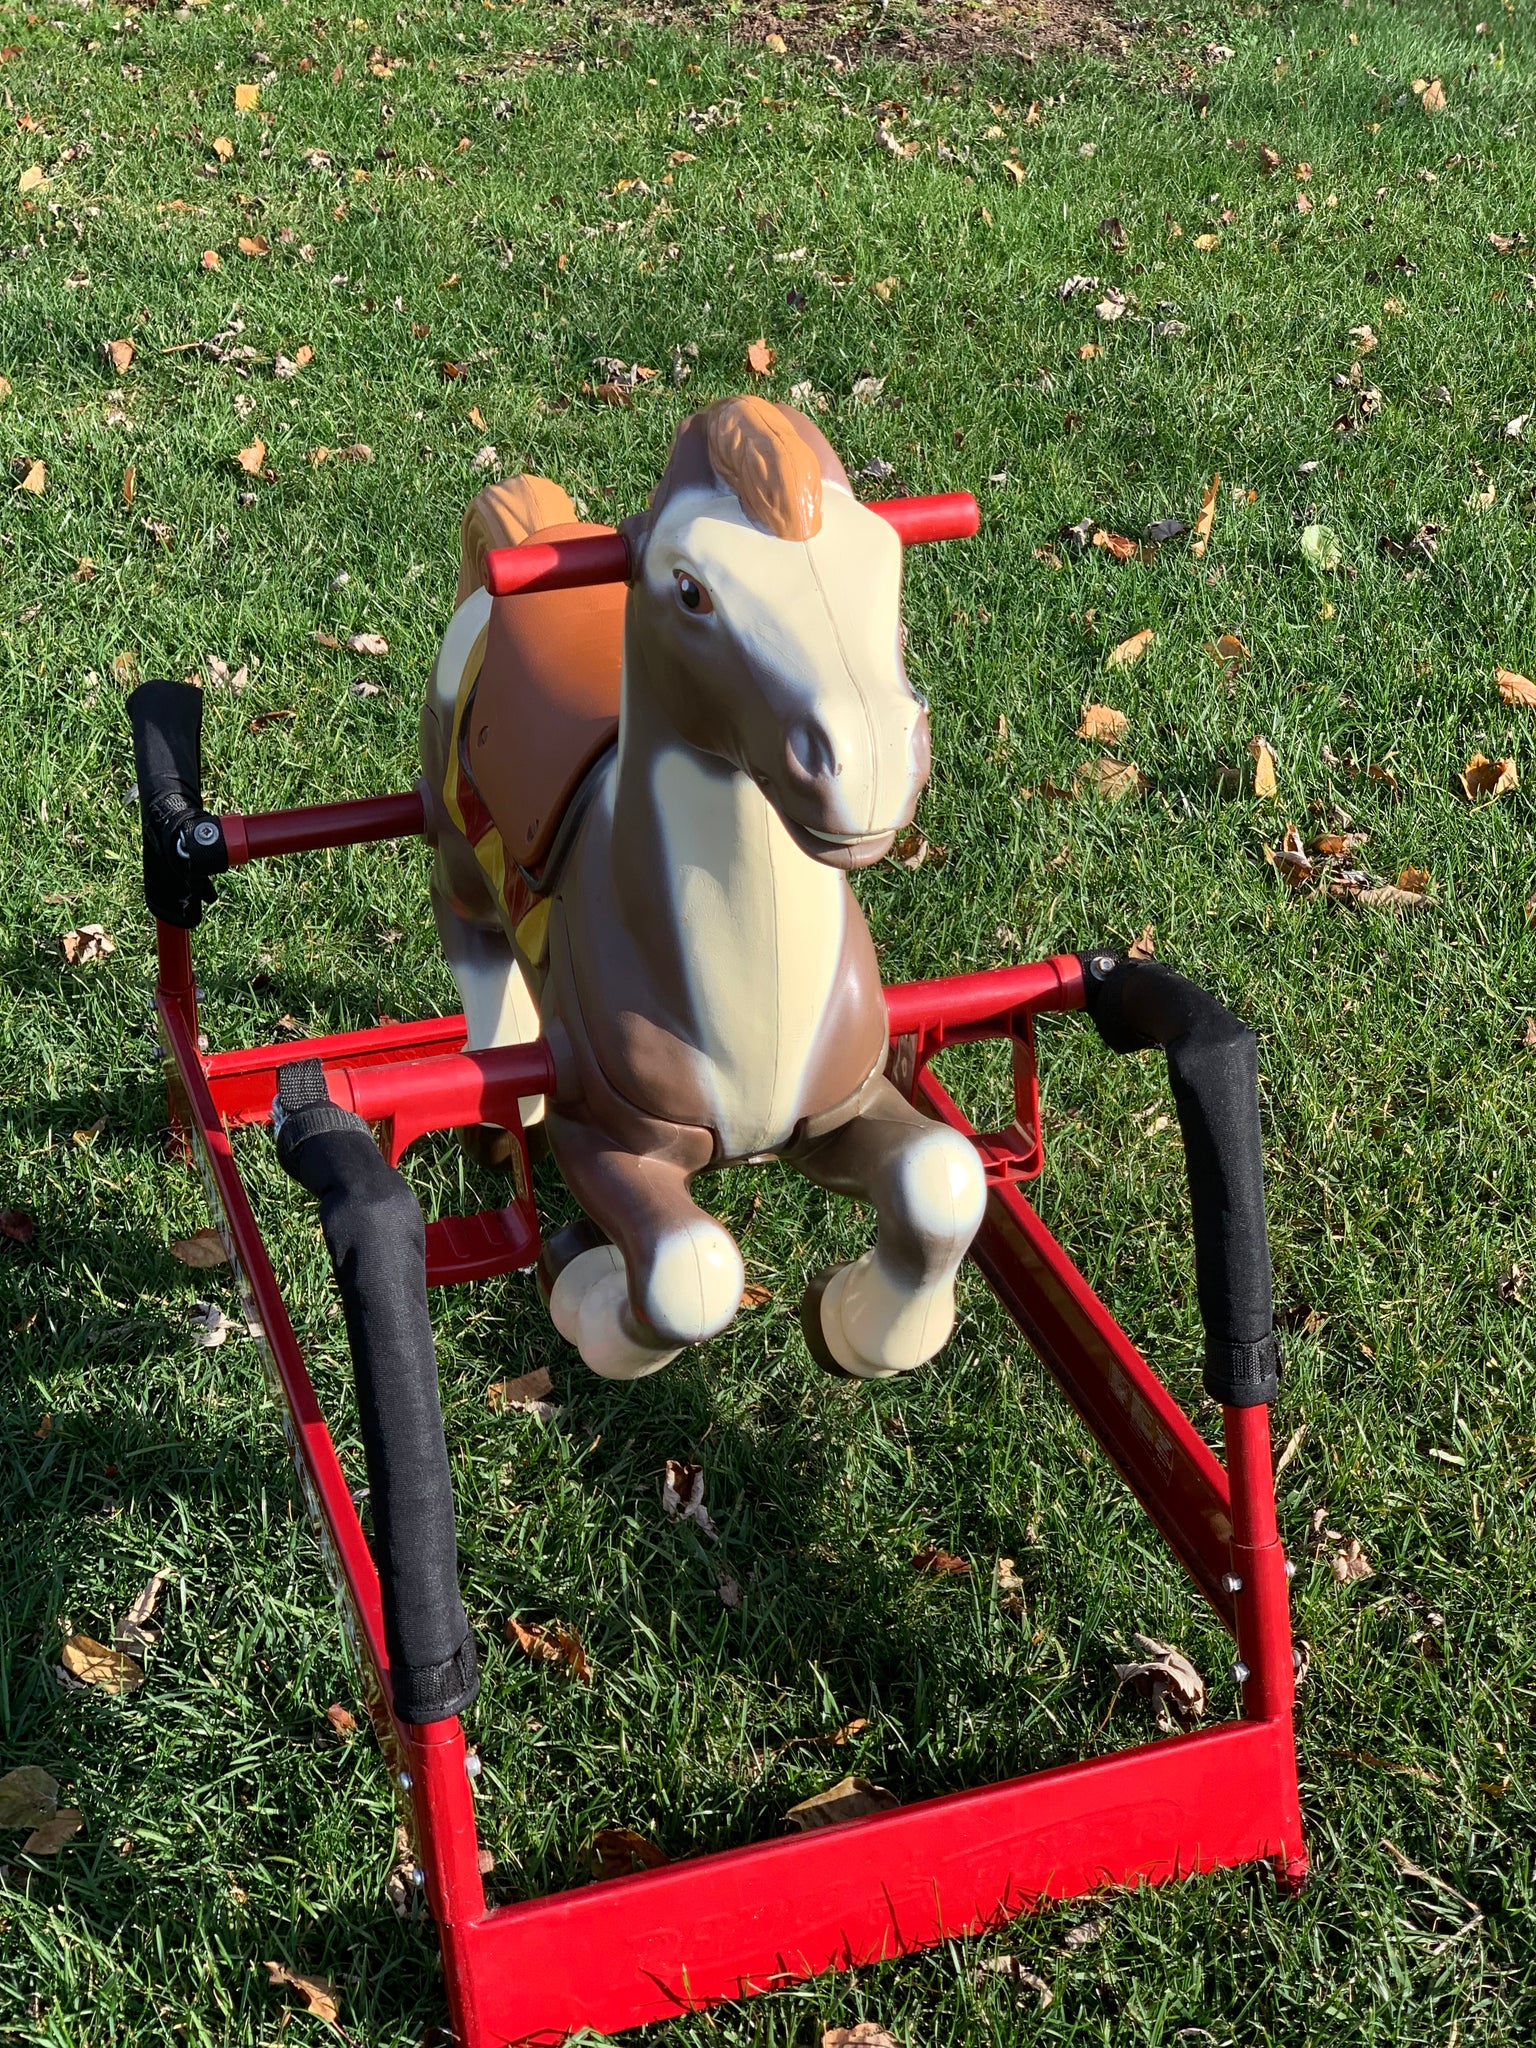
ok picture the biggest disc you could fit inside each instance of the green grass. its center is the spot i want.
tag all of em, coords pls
(225, 1823)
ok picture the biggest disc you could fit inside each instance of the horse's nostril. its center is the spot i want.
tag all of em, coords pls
(810, 752)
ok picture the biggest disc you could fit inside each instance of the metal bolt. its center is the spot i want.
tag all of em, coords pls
(205, 833)
(1290, 1568)
(1231, 1583)
(472, 1765)
(418, 1876)
(1240, 1672)
(1298, 1661)
(405, 1781)
(1101, 964)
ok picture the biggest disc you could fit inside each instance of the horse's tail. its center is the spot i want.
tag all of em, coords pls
(502, 515)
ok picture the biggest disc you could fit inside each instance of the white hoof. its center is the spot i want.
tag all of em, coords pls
(877, 1332)
(694, 1285)
(575, 1280)
(604, 1343)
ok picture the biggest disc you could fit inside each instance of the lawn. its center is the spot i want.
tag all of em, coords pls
(474, 217)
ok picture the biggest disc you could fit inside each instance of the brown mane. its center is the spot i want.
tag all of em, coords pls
(772, 457)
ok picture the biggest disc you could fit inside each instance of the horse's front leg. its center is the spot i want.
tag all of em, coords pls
(671, 1275)
(894, 1308)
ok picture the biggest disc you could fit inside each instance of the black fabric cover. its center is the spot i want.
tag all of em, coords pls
(377, 1240)
(167, 721)
(1214, 1068)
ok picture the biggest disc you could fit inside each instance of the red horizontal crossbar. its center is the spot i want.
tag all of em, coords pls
(605, 557)
(667, 1941)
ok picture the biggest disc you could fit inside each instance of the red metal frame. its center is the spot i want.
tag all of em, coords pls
(642, 1948)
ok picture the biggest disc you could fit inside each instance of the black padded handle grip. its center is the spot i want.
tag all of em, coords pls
(183, 844)
(1214, 1068)
(378, 1245)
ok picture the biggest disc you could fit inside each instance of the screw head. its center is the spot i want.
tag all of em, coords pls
(472, 1765)
(205, 833)
(1240, 1672)
(1102, 964)
(405, 1781)
(1290, 1568)
(1231, 1583)
(418, 1876)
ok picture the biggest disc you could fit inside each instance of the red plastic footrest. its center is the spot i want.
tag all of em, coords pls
(474, 1247)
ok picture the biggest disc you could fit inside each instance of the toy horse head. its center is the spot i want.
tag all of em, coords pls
(764, 626)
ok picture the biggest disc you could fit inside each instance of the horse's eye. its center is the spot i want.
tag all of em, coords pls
(691, 595)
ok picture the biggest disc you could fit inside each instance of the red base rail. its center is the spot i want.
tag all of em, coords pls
(619, 1954)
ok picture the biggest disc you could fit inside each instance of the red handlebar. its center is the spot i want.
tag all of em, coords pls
(604, 558)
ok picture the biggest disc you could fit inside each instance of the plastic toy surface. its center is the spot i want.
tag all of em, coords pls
(646, 806)
(641, 806)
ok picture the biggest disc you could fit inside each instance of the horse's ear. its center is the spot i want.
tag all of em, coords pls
(636, 530)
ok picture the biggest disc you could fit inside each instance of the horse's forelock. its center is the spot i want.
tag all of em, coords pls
(773, 458)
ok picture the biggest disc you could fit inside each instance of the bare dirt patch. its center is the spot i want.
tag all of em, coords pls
(933, 31)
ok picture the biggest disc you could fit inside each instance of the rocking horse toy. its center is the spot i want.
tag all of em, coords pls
(650, 759)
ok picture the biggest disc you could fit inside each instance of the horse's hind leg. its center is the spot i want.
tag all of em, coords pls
(894, 1308)
(671, 1276)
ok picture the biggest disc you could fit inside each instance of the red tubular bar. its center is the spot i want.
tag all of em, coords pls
(605, 557)
(943, 1009)
(264, 834)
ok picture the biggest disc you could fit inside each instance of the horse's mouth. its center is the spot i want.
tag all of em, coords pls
(841, 849)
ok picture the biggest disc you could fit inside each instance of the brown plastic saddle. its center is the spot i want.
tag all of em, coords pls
(545, 705)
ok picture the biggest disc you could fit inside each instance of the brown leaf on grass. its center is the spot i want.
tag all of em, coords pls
(223, 148)
(130, 483)
(912, 849)
(1102, 722)
(1015, 169)
(551, 1642)
(1228, 647)
(133, 1631)
(247, 99)
(1205, 243)
(850, 1798)
(34, 479)
(32, 178)
(1384, 896)
(528, 1394)
(1205, 518)
(1143, 947)
(760, 357)
(1413, 881)
(119, 354)
(1115, 545)
(95, 1664)
(682, 1496)
(620, 1852)
(1484, 778)
(50, 1837)
(1432, 98)
(1022, 1980)
(87, 943)
(367, 643)
(942, 1563)
(1364, 338)
(1515, 688)
(209, 259)
(756, 1295)
(202, 1248)
(1112, 781)
(1351, 1563)
(17, 1225)
(343, 1722)
(28, 1797)
(1262, 755)
(318, 1993)
(1130, 650)
(867, 2034)
(254, 245)
(1166, 1677)
(251, 459)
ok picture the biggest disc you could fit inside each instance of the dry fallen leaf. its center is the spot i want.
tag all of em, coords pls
(942, 1563)
(682, 1496)
(1145, 946)
(528, 1394)
(867, 2034)
(1413, 881)
(620, 1852)
(223, 148)
(1351, 1563)
(1206, 517)
(849, 1799)
(1021, 1979)
(32, 178)
(1432, 98)
(760, 357)
(254, 245)
(1228, 647)
(251, 459)
(17, 1225)
(1484, 778)
(319, 1995)
(34, 479)
(202, 1248)
(368, 643)
(247, 99)
(343, 1722)
(87, 943)
(1364, 338)
(95, 1664)
(119, 354)
(49, 1838)
(1262, 755)
(1130, 650)
(1115, 545)
(1205, 243)
(1087, 1932)
(551, 1643)
(756, 1295)
(1168, 1679)
(1109, 779)
(1102, 722)
(28, 1797)
(1515, 688)
(210, 259)
(133, 1631)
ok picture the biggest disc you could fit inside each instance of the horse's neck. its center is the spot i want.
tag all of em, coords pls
(741, 933)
